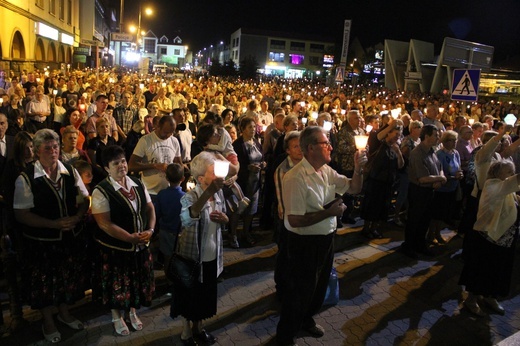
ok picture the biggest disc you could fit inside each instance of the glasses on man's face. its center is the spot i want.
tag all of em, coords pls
(324, 144)
(50, 148)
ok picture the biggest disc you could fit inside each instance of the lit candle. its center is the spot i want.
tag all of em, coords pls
(369, 128)
(82, 107)
(471, 121)
(221, 168)
(55, 92)
(327, 125)
(304, 121)
(314, 115)
(361, 142)
(190, 184)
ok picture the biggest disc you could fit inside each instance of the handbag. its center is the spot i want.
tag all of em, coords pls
(183, 270)
(332, 294)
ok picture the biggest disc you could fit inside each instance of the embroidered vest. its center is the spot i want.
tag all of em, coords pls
(122, 214)
(49, 204)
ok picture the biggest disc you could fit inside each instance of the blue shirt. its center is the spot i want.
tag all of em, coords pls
(168, 209)
(450, 165)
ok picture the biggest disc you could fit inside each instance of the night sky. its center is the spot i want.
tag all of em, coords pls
(201, 22)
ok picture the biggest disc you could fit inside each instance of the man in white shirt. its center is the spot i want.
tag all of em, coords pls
(38, 110)
(310, 211)
(153, 153)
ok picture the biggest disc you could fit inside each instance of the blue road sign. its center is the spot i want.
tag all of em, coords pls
(464, 86)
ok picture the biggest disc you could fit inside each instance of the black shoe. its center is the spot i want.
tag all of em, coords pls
(348, 220)
(205, 337)
(407, 252)
(188, 342)
(426, 252)
(316, 331)
(376, 234)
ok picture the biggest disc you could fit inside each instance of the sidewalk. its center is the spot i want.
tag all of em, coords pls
(385, 298)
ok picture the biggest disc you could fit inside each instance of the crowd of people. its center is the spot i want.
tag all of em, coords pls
(105, 175)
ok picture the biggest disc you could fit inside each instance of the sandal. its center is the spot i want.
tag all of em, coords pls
(135, 321)
(53, 338)
(120, 327)
(76, 324)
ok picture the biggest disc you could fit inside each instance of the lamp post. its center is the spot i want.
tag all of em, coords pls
(148, 11)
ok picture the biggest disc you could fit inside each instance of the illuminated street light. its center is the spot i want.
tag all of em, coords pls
(148, 11)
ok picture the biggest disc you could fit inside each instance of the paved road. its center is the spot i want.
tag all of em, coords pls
(385, 299)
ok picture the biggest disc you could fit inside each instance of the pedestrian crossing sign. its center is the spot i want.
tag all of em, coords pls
(465, 84)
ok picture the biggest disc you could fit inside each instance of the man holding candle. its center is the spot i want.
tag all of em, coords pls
(426, 175)
(310, 212)
(344, 155)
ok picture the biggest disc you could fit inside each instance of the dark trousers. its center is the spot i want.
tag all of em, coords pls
(309, 262)
(38, 125)
(280, 270)
(419, 216)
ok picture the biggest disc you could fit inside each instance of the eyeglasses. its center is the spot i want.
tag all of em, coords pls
(51, 147)
(326, 144)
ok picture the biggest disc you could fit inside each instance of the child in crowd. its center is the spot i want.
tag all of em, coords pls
(168, 210)
(85, 171)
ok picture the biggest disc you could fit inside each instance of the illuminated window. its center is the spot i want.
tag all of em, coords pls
(296, 59)
(276, 57)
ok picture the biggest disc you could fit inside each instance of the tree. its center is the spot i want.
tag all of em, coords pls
(228, 70)
(248, 67)
(216, 68)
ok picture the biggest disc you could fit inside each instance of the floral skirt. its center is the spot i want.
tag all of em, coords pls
(56, 271)
(123, 279)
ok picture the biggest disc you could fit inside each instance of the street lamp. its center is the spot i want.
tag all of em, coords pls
(148, 11)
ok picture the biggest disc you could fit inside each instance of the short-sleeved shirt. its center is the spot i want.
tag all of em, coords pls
(23, 196)
(305, 190)
(152, 149)
(422, 163)
(91, 123)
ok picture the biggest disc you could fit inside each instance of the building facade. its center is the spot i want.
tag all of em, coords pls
(282, 54)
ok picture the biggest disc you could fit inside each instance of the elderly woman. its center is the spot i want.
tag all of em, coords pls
(381, 172)
(489, 257)
(204, 211)
(125, 215)
(251, 160)
(69, 151)
(444, 197)
(50, 201)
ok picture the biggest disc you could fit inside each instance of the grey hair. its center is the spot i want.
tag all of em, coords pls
(415, 124)
(447, 135)
(288, 137)
(497, 166)
(352, 112)
(44, 135)
(487, 135)
(308, 137)
(200, 164)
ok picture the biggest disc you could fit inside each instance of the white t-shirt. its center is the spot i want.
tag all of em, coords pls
(152, 149)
